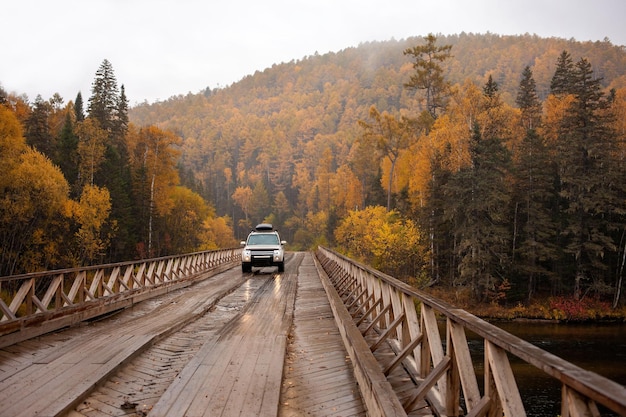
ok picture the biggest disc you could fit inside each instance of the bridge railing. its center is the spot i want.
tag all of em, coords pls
(441, 367)
(36, 303)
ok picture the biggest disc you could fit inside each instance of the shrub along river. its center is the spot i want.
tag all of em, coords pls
(600, 348)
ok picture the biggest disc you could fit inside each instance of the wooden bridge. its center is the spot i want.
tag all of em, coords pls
(193, 336)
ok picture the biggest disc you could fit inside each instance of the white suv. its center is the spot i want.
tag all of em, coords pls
(263, 248)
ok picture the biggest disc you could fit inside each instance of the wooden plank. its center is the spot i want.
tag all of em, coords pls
(464, 364)
(375, 389)
(67, 380)
(227, 376)
(505, 381)
(427, 384)
(575, 405)
(431, 331)
(402, 355)
(212, 390)
(74, 367)
(388, 332)
(318, 377)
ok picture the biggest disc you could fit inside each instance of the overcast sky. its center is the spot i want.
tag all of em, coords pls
(160, 48)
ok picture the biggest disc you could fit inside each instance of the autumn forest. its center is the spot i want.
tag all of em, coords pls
(490, 163)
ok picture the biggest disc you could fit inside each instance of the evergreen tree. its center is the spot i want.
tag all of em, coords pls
(3, 96)
(477, 202)
(589, 192)
(443, 264)
(528, 101)
(535, 196)
(121, 115)
(79, 113)
(534, 226)
(491, 119)
(490, 91)
(428, 76)
(562, 81)
(109, 108)
(67, 153)
(38, 129)
(104, 100)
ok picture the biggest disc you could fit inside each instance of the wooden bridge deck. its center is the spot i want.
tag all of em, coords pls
(208, 340)
(318, 376)
(283, 355)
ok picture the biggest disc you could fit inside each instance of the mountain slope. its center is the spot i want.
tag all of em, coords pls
(270, 130)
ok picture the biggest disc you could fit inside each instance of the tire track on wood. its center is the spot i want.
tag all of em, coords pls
(134, 389)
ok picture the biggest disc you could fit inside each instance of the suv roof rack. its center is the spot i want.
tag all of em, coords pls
(264, 227)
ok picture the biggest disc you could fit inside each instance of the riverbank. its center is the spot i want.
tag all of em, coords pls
(555, 309)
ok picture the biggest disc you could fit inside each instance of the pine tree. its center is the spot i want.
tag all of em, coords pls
(109, 108)
(37, 130)
(534, 225)
(477, 204)
(428, 76)
(3, 96)
(588, 191)
(121, 114)
(104, 100)
(562, 81)
(79, 113)
(528, 101)
(490, 91)
(492, 119)
(67, 152)
(535, 195)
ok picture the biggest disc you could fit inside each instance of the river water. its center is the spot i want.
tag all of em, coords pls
(600, 348)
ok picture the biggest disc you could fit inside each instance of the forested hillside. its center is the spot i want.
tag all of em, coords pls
(274, 125)
(481, 162)
(482, 193)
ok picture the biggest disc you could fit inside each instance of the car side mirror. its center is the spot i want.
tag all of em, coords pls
(283, 242)
(242, 243)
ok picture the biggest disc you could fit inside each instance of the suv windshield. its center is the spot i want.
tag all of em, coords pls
(263, 239)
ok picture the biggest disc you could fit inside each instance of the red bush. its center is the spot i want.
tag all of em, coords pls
(570, 308)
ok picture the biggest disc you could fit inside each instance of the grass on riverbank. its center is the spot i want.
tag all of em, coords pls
(542, 308)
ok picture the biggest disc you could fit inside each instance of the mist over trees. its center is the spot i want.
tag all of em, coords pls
(493, 163)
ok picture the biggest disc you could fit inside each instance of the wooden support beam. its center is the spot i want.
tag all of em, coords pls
(403, 354)
(502, 374)
(428, 383)
(369, 310)
(377, 319)
(387, 332)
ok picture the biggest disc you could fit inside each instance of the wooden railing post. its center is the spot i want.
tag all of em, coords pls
(45, 292)
(406, 320)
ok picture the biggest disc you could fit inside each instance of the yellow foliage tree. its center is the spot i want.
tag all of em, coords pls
(184, 223)
(217, 233)
(391, 136)
(153, 156)
(384, 240)
(91, 213)
(91, 148)
(33, 200)
(243, 197)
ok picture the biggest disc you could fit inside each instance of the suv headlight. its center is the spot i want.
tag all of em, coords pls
(245, 256)
(277, 254)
